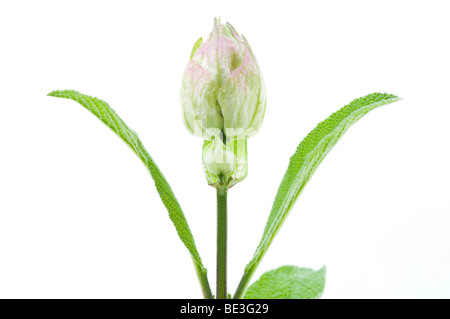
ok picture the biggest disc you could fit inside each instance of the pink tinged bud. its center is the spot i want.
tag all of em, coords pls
(222, 86)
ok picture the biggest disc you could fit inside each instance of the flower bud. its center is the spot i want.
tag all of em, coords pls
(222, 87)
(218, 159)
(225, 164)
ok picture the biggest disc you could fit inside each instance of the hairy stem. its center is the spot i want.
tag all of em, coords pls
(222, 242)
(240, 291)
(204, 283)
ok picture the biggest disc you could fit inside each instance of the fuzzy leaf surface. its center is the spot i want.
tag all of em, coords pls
(288, 282)
(302, 165)
(109, 117)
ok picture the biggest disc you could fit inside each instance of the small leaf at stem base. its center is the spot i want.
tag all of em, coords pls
(288, 282)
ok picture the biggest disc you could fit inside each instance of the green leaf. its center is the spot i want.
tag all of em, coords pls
(288, 282)
(309, 154)
(107, 115)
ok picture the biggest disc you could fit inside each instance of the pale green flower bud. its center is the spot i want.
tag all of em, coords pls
(224, 101)
(225, 164)
(222, 87)
(218, 159)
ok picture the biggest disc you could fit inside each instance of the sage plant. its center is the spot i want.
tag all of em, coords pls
(223, 101)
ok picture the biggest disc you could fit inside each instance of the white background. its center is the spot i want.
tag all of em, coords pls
(80, 216)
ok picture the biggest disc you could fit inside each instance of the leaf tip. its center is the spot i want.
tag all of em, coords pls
(62, 93)
(58, 93)
(323, 269)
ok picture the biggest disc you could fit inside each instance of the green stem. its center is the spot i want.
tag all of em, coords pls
(248, 273)
(222, 241)
(204, 283)
(243, 284)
